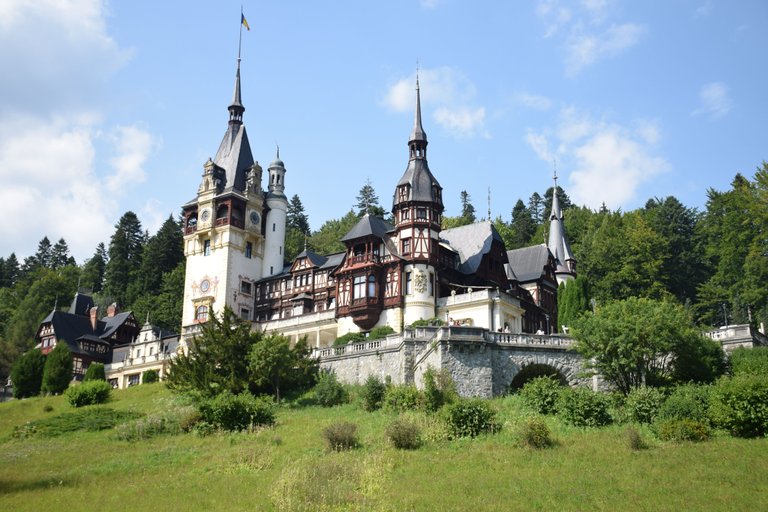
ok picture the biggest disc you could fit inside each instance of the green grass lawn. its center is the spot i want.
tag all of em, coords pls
(288, 468)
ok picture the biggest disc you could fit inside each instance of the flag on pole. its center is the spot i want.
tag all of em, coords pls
(244, 21)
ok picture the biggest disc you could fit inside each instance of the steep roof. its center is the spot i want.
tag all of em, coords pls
(528, 263)
(471, 242)
(558, 243)
(81, 304)
(234, 157)
(315, 259)
(368, 225)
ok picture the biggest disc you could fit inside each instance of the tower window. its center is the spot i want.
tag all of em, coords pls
(201, 314)
(245, 287)
(421, 213)
(273, 227)
(405, 214)
(406, 246)
(248, 249)
(358, 290)
(408, 283)
(371, 286)
(431, 284)
(245, 313)
(206, 247)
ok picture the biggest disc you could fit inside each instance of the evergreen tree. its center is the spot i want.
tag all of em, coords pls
(60, 255)
(93, 270)
(162, 253)
(327, 239)
(164, 308)
(58, 369)
(95, 371)
(27, 374)
(536, 207)
(572, 301)
(467, 210)
(125, 248)
(523, 224)
(368, 202)
(296, 216)
(10, 272)
(563, 200)
(42, 258)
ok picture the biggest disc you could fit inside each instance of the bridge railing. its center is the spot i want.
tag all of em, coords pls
(391, 341)
(506, 338)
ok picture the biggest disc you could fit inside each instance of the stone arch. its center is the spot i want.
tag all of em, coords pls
(525, 366)
(531, 371)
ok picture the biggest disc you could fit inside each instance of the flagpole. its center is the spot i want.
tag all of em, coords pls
(240, 41)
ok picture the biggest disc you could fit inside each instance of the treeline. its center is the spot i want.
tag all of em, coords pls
(141, 273)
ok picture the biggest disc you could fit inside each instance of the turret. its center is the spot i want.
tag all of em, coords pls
(277, 211)
(558, 242)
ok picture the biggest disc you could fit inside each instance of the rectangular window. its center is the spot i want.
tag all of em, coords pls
(431, 284)
(245, 287)
(133, 380)
(421, 213)
(245, 314)
(406, 214)
(248, 249)
(358, 290)
(206, 247)
(273, 227)
(407, 246)
(408, 284)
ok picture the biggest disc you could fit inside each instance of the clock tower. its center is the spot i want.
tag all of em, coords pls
(224, 229)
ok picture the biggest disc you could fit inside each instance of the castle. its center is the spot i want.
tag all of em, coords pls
(388, 275)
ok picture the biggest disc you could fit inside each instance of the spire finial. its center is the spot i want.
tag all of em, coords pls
(489, 204)
(418, 134)
(278, 150)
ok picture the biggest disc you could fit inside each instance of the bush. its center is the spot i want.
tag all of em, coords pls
(89, 393)
(58, 369)
(402, 398)
(404, 434)
(642, 404)
(350, 337)
(329, 391)
(470, 417)
(373, 393)
(541, 394)
(380, 332)
(439, 389)
(434, 321)
(95, 371)
(535, 434)
(635, 440)
(150, 376)
(237, 412)
(341, 436)
(584, 408)
(749, 361)
(173, 421)
(27, 374)
(689, 401)
(740, 405)
(682, 430)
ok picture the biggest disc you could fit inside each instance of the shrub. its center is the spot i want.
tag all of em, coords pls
(47, 408)
(373, 393)
(541, 394)
(689, 401)
(27, 374)
(58, 369)
(350, 337)
(740, 405)
(173, 421)
(584, 408)
(329, 391)
(434, 321)
(439, 389)
(642, 405)
(749, 361)
(150, 376)
(95, 371)
(380, 332)
(341, 436)
(470, 417)
(635, 440)
(684, 429)
(402, 398)
(404, 434)
(237, 412)
(89, 393)
(535, 433)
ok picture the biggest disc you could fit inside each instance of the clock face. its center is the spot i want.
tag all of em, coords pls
(205, 285)
(204, 216)
(255, 219)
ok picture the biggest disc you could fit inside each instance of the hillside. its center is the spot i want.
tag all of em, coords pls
(288, 468)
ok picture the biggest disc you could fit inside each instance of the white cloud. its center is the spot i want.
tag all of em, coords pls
(133, 146)
(430, 4)
(608, 161)
(583, 34)
(448, 93)
(586, 48)
(703, 10)
(534, 101)
(714, 100)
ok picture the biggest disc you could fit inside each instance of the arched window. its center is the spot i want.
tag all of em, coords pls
(201, 314)
(371, 286)
(222, 211)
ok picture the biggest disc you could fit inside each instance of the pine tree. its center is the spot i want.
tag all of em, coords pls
(60, 255)
(467, 210)
(42, 258)
(125, 248)
(93, 270)
(523, 225)
(10, 271)
(27, 374)
(368, 202)
(536, 207)
(296, 217)
(58, 369)
(162, 253)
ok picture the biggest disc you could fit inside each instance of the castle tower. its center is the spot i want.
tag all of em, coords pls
(558, 242)
(277, 210)
(417, 212)
(224, 229)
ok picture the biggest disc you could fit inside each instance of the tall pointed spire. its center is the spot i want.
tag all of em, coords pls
(418, 133)
(236, 109)
(558, 242)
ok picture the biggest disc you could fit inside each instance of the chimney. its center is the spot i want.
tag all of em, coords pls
(94, 312)
(112, 310)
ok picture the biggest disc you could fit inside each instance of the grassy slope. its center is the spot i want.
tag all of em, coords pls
(287, 468)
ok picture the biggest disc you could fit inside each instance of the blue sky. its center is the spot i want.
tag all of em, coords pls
(109, 106)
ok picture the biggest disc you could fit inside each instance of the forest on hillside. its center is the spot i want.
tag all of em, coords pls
(714, 262)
